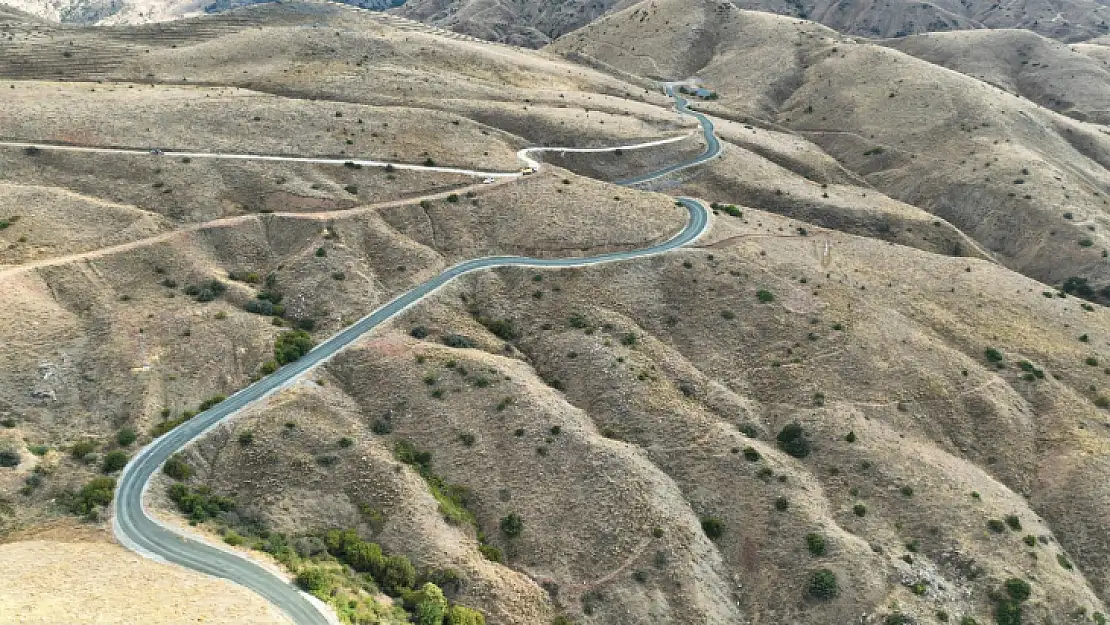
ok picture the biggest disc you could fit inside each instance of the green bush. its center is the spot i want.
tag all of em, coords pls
(98, 492)
(512, 525)
(1013, 522)
(291, 345)
(125, 437)
(233, 538)
(114, 461)
(501, 328)
(316, 581)
(993, 354)
(822, 584)
(859, 509)
(82, 449)
(246, 438)
(1030, 540)
(428, 604)
(793, 441)
(816, 544)
(199, 503)
(177, 468)
(850, 437)
(1063, 561)
(765, 296)
(751, 454)
(996, 526)
(206, 291)
(397, 574)
(781, 504)
(491, 553)
(9, 458)
(462, 615)
(713, 527)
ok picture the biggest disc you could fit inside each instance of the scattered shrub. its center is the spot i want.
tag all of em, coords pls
(1030, 540)
(9, 458)
(458, 341)
(765, 296)
(206, 291)
(816, 544)
(177, 468)
(713, 527)
(114, 461)
(1063, 561)
(822, 584)
(82, 449)
(1013, 522)
(418, 332)
(86, 502)
(751, 454)
(512, 525)
(781, 504)
(859, 509)
(850, 437)
(125, 437)
(199, 503)
(246, 438)
(491, 553)
(792, 440)
(993, 354)
(290, 346)
(996, 526)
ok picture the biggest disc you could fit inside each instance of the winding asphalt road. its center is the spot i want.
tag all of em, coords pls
(136, 529)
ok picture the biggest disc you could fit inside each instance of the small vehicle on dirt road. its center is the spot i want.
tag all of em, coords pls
(157, 151)
(528, 171)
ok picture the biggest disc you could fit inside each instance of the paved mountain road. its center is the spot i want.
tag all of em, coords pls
(136, 529)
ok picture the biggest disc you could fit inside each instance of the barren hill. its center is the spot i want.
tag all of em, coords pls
(536, 23)
(861, 395)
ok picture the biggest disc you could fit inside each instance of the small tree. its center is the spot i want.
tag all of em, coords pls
(713, 527)
(125, 437)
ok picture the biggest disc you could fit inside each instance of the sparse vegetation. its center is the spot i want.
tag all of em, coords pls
(713, 527)
(823, 584)
(292, 345)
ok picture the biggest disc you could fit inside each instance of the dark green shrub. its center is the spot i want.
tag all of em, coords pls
(793, 441)
(781, 504)
(1018, 589)
(467, 439)
(458, 341)
(206, 291)
(125, 437)
(9, 458)
(210, 402)
(1013, 522)
(246, 438)
(765, 296)
(1063, 561)
(291, 345)
(859, 509)
(713, 527)
(907, 491)
(993, 354)
(822, 584)
(512, 525)
(418, 332)
(996, 526)
(397, 574)
(501, 328)
(751, 454)
(850, 437)
(1030, 540)
(114, 461)
(177, 468)
(816, 544)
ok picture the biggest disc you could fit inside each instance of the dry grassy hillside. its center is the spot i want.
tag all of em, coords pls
(537, 23)
(1047, 72)
(1028, 184)
(603, 445)
(613, 426)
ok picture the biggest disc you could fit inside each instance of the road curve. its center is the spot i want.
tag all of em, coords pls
(136, 529)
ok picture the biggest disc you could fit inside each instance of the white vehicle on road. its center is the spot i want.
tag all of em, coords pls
(487, 181)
